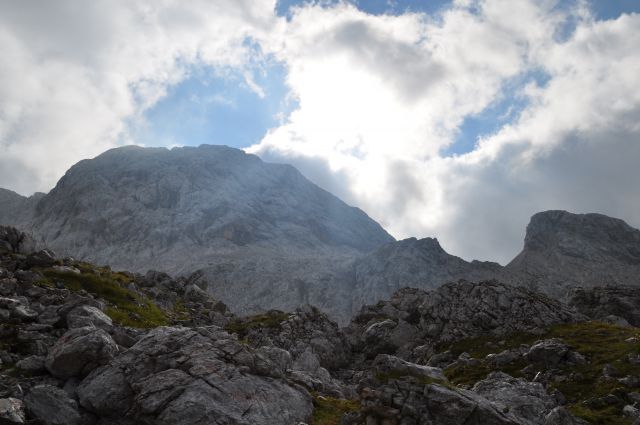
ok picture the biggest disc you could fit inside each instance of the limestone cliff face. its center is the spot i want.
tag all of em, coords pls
(563, 250)
(173, 209)
(266, 236)
(415, 263)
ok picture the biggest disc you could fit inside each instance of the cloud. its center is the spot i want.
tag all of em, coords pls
(74, 73)
(380, 101)
(382, 97)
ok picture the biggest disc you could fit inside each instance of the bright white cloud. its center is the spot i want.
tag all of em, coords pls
(380, 98)
(74, 73)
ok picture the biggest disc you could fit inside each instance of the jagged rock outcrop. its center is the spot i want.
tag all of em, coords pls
(415, 263)
(564, 250)
(526, 402)
(413, 322)
(79, 351)
(13, 240)
(196, 376)
(608, 303)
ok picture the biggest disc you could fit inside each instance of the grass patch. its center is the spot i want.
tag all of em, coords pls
(600, 343)
(606, 416)
(329, 410)
(180, 311)
(125, 307)
(271, 319)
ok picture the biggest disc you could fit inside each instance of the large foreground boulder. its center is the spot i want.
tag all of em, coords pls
(79, 351)
(197, 376)
(52, 406)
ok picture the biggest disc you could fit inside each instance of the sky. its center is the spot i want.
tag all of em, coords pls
(450, 119)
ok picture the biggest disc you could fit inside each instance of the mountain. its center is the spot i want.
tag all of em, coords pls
(15, 208)
(415, 263)
(138, 208)
(564, 250)
(264, 237)
(341, 284)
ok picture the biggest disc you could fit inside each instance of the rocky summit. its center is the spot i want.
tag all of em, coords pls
(564, 250)
(82, 344)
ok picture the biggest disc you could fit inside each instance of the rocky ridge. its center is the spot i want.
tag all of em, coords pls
(81, 344)
(266, 238)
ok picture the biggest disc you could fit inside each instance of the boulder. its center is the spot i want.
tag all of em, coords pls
(31, 364)
(11, 411)
(198, 376)
(42, 258)
(527, 402)
(79, 351)
(87, 315)
(410, 402)
(616, 304)
(52, 406)
(552, 352)
(305, 329)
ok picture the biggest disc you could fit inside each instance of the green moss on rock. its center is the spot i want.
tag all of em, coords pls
(329, 410)
(125, 307)
(600, 343)
(272, 319)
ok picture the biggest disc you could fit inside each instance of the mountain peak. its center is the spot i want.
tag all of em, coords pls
(583, 235)
(563, 249)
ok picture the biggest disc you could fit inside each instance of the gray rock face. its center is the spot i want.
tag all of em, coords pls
(172, 209)
(414, 263)
(11, 411)
(527, 402)
(52, 406)
(86, 315)
(551, 352)
(279, 238)
(602, 302)
(196, 376)
(413, 322)
(305, 329)
(562, 250)
(79, 351)
(13, 240)
(410, 401)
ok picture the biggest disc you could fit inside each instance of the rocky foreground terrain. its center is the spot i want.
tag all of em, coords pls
(82, 344)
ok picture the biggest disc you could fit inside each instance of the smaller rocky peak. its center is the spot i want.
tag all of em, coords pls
(429, 247)
(582, 235)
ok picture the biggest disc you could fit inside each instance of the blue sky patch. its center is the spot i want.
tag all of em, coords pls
(504, 110)
(218, 107)
(221, 107)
